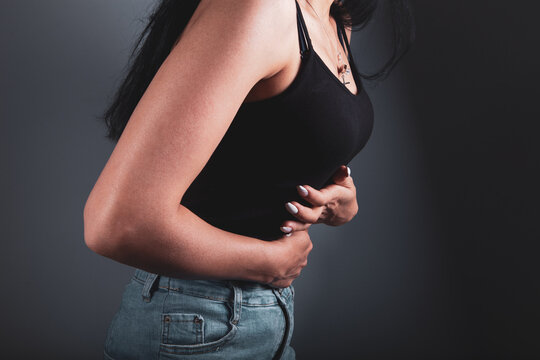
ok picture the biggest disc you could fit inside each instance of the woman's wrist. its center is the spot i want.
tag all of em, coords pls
(262, 263)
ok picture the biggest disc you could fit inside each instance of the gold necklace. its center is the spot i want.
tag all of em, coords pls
(342, 69)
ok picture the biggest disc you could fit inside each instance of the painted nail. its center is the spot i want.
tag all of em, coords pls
(291, 208)
(348, 171)
(289, 234)
(303, 190)
(286, 229)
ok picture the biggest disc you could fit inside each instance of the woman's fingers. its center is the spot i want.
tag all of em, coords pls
(343, 177)
(304, 213)
(327, 194)
(289, 226)
(337, 192)
(313, 196)
(308, 215)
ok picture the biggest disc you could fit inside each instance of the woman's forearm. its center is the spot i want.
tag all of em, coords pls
(185, 246)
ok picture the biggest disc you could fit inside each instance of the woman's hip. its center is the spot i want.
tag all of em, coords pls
(162, 317)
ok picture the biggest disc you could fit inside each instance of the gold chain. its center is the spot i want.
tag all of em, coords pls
(342, 69)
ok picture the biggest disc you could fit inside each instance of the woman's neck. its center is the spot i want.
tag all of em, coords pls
(322, 7)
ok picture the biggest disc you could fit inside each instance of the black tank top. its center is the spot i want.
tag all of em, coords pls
(297, 137)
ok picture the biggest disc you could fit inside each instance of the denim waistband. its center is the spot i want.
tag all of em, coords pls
(253, 293)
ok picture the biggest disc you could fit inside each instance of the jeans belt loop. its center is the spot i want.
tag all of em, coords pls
(237, 302)
(147, 288)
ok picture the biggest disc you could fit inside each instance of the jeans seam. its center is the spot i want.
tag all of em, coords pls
(161, 325)
(281, 337)
(204, 296)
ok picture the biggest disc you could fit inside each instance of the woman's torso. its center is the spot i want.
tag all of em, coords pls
(299, 136)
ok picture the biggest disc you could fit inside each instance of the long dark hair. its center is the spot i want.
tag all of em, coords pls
(169, 18)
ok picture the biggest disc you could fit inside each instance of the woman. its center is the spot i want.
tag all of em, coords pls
(237, 119)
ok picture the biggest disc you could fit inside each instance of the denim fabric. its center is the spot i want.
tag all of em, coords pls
(162, 317)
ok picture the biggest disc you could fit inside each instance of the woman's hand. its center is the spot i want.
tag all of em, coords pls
(333, 205)
(287, 257)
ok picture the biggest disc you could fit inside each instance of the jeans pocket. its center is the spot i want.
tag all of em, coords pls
(195, 325)
(182, 329)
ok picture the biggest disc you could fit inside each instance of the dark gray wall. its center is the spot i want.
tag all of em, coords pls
(440, 262)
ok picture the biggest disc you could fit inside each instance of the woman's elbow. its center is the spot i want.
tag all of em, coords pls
(103, 235)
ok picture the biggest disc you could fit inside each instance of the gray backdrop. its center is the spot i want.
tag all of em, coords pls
(439, 262)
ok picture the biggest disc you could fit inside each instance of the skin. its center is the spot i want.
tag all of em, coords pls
(133, 214)
(319, 39)
(332, 205)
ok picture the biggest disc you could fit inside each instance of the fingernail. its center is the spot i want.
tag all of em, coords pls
(286, 229)
(289, 234)
(291, 208)
(303, 190)
(348, 171)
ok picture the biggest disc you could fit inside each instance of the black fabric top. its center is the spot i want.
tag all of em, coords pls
(298, 137)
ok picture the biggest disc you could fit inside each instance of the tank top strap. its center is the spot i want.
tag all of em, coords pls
(342, 34)
(303, 34)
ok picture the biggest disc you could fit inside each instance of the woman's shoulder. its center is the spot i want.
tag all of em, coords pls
(267, 16)
(262, 25)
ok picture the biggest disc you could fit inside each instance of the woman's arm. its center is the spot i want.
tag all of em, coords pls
(185, 246)
(133, 214)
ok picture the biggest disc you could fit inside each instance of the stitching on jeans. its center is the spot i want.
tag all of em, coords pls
(281, 336)
(194, 353)
(239, 305)
(257, 305)
(208, 297)
(170, 348)
(187, 292)
(220, 299)
(162, 330)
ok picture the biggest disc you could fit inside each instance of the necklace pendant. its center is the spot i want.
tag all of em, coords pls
(344, 82)
(344, 69)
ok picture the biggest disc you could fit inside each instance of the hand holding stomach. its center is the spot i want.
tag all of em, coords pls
(288, 256)
(333, 205)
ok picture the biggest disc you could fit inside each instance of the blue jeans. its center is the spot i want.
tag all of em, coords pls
(162, 317)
